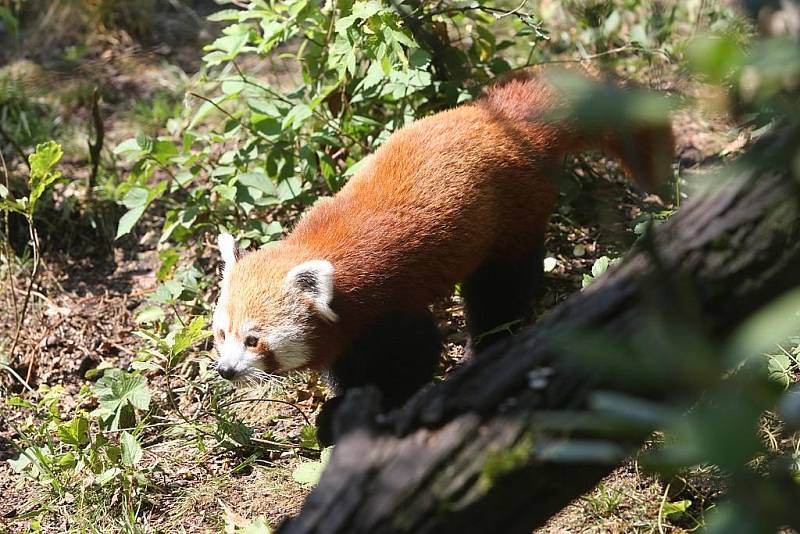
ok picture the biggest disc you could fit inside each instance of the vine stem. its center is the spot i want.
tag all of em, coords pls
(35, 271)
(7, 245)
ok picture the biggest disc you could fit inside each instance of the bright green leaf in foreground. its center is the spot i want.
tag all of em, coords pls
(42, 175)
(131, 450)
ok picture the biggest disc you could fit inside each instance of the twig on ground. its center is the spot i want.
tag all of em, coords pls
(13, 373)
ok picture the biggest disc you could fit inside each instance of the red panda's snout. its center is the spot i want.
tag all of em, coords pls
(268, 312)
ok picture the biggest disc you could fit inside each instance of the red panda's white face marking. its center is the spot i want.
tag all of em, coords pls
(261, 326)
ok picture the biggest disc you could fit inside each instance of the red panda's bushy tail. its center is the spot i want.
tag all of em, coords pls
(646, 149)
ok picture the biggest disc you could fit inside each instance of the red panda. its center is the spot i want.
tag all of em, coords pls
(460, 196)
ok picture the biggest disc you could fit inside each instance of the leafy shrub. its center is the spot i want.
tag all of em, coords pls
(367, 69)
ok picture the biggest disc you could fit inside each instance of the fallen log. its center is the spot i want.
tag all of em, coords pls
(479, 452)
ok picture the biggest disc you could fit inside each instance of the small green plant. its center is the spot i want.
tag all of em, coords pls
(600, 266)
(121, 395)
(82, 459)
(41, 176)
(675, 509)
(783, 365)
(604, 501)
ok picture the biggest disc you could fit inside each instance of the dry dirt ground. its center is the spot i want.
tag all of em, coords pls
(82, 315)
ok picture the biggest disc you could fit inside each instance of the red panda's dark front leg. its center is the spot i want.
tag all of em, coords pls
(398, 355)
(498, 294)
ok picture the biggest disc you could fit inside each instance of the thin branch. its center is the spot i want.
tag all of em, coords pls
(233, 118)
(265, 399)
(497, 12)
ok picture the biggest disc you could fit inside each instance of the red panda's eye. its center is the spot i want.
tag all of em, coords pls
(251, 341)
(221, 335)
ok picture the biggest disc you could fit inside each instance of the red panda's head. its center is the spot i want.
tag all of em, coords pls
(271, 307)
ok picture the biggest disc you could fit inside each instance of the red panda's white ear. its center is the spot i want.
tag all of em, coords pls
(229, 251)
(314, 279)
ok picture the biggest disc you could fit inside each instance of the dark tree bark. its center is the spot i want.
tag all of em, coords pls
(486, 451)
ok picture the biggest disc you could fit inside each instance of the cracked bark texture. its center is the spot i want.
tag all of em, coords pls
(478, 452)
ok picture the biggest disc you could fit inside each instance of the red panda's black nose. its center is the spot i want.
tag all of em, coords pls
(226, 372)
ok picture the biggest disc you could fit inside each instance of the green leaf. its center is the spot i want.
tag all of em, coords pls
(308, 437)
(365, 10)
(258, 526)
(150, 315)
(44, 158)
(118, 390)
(145, 366)
(42, 162)
(375, 74)
(296, 116)
(129, 220)
(402, 38)
(137, 200)
(676, 507)
(131, 450)
(225, 14)
(107, 476)
(419, 59)
(612, 24)
(129, 146)
(145, 142)
(766, 328)
(309, 473)
(289, 189)
(259, 181)
(717, 56)
(164, 151)
(75, 432)
(136, 197)
(344, 23)
(779, 368)
(228, 45)
(189, 335)
(13, 206)
(22, 462)
(600, 266)
(19, 402)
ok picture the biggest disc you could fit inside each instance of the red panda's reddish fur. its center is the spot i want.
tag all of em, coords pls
(440, 198)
